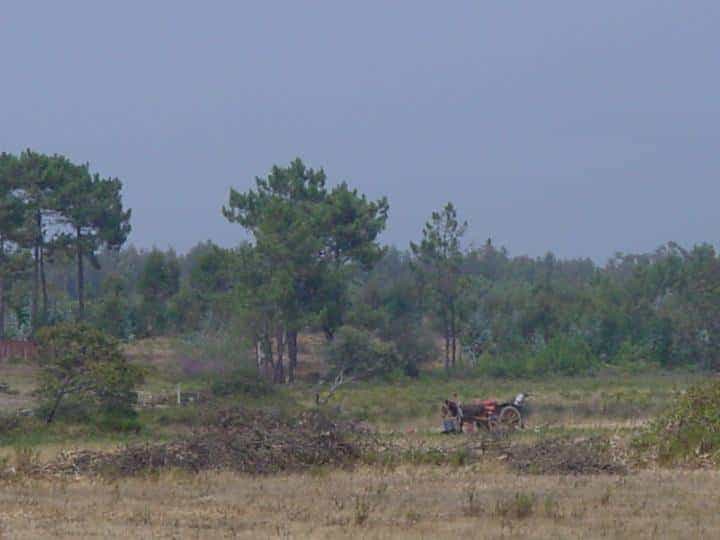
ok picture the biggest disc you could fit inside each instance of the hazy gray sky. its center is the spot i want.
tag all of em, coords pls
(573, 126)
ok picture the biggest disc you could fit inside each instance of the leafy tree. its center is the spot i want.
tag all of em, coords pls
(282, 215)
(158, 282)
(12, 218)
(258, 297)
(112, 311)
(358, 352)
(85, 364)
(92, 207)
(438, 263)
(213, 271)
(38, 184)
(54, 195)
(304, 239)
(350, 225)
(388, 302)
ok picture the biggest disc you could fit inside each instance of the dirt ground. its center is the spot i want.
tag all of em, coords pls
(408, 502)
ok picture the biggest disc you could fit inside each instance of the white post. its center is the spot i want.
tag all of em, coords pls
(178, 394)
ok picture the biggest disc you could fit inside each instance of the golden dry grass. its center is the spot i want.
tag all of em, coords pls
(479, 501)
(408, 502)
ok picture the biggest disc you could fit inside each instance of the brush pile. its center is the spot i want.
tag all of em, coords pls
(566, 456)
(247, 441)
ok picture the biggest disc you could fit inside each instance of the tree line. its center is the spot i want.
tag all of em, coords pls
(51, 207)
(314, 263)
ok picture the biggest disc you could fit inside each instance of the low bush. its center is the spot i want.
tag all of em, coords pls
(502, 367)
(689, 432)
(82, 364)
(119, 421)
(562, 355)
(415, 348)
(72, 410)
(634, 358)
(358, 351)
(242, 382)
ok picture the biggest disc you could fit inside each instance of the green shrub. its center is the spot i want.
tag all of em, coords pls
(563, 355)
(119, 421)
(511, 366)
(689, 431)
(415, 348)
(358, 351)
(242, 382)
(111, 313)
(634, 358)
(81, 364)
(71, 409)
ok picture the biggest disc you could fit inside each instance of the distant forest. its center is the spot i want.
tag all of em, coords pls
(314, 265)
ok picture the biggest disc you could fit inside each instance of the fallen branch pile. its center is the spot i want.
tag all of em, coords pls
(258, 442)
(566, 456)
(254, 442)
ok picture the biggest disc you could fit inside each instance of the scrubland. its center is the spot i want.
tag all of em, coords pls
(456, 497)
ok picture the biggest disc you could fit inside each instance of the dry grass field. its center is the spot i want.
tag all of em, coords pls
(478, 498)
(407, 502)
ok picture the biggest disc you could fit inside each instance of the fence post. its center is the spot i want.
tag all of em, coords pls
(179, 402)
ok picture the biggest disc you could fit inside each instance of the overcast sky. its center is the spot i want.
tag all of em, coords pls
(578, 127)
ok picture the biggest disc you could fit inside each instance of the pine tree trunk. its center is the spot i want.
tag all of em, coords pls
(2, 307)
(36, 283)
(447, 349)
(258, 356)
(40, 280)
(453, 333)
(280, 362)
(292, 346)
(2, 288)
(268, 362)
(454, 350)
(80, 277)
(43, 282)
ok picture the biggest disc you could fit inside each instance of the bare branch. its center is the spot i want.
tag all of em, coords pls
(336, 384)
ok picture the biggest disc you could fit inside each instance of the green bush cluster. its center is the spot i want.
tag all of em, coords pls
(689, 431)
(358, 351)
(242, 382)
(83, 372)
(565, 355)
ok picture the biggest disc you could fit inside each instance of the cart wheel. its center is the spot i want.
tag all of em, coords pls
(510, 418)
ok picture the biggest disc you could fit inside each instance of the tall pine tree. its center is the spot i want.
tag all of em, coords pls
(304, 237)
(438, 261)
(12, 220)
(91, 207)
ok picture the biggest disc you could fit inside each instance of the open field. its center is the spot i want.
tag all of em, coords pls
(484, 497)
(607, 400)
(407, 502)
